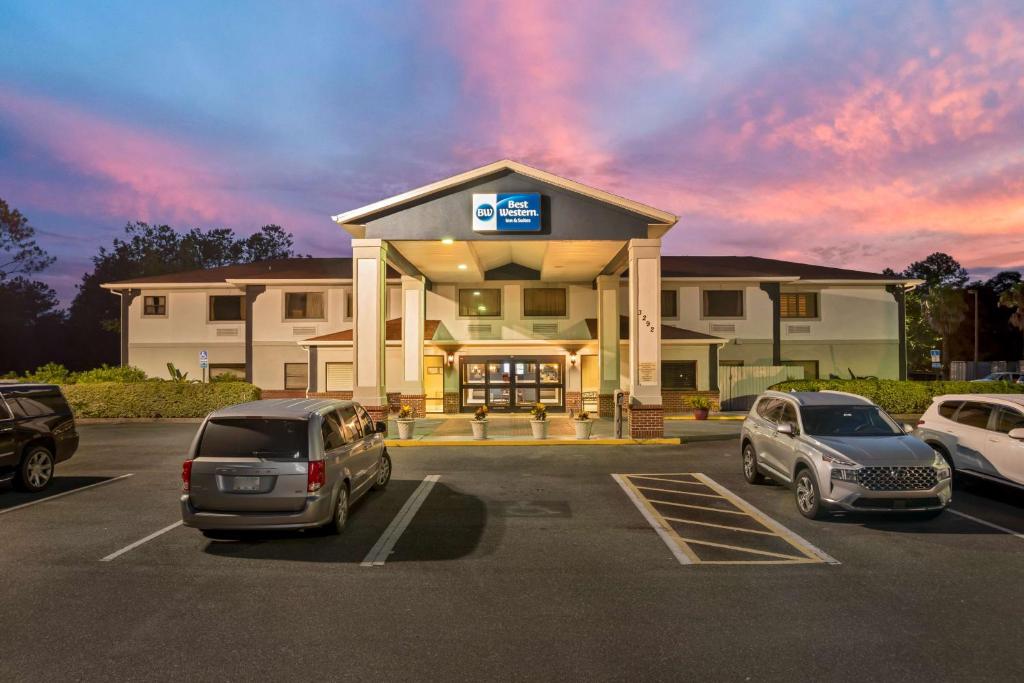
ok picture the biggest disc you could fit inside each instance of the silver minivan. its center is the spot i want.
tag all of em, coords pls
(282, 464)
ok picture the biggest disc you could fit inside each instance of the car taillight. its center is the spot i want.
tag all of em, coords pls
(186, 475)
(316, 476)
(920, 422)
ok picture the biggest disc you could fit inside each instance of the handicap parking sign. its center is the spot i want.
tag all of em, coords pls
(204, 359)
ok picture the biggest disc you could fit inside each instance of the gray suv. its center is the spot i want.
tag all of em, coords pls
(840, 451)
(282, 464)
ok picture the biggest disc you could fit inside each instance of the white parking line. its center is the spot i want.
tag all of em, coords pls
(989, 524)
(665, 534)
(65, 493)
(139, 542)
(385, 544)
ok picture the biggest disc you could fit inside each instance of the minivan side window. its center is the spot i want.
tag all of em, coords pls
(353, 430)
(948, 409)
(974, 414)
(364, 417)
(332, 432)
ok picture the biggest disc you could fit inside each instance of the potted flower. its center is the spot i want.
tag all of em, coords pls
(539, 421)
(406, 422)
(479, 423)
(701, 407)
(583, 424)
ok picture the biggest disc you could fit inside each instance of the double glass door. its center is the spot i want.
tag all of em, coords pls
(512, 383)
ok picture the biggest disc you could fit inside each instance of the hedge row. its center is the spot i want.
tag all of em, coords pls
(898, 396)
(155, 399)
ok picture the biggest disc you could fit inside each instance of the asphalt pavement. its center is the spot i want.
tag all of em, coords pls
(519, 563)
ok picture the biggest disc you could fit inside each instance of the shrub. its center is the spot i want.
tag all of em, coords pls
(539, 411)
(51, 373)
(155, 398)
(106, 373)
(897, 396)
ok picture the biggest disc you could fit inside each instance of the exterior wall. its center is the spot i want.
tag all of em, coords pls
(269, 359)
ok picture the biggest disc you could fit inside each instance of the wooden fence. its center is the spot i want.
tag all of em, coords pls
(739, 386)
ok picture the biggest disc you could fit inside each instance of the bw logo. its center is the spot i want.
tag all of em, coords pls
(484, 212)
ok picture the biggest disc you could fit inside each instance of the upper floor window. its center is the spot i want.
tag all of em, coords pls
(225, 308)
(304, 305)
(480, 303)
(348, 305)
(723, 303)
(544, 302)
(798, 305)
(669, 303)
(154, 305)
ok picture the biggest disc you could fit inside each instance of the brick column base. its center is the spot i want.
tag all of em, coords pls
(378, 413)
(451, 402)
(418, 403)
(340, 395)
(678, 402)
(606, 405)
(574, 401)
(646, 421)
(282, 393)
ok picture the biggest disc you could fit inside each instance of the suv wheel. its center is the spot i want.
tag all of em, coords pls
(383, 472)
(337, 523)
(35, 471)
(808, 499)
(750, 472)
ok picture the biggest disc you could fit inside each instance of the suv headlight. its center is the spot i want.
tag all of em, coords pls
(837, 460)
(846, 473)
(942, 469)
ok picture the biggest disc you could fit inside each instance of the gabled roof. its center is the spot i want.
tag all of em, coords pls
(756, 267)
(392, 332)
(277, 269)
(667, 331)
(363, 213)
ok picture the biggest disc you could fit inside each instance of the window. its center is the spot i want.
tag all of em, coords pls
(847, 421)
(544, 302)
(789, 415)
(304, 305)
(799, 305)
(679, 374)
(770, 408)
(332, 433)
(154, 305)
(479, 303)
(723, 303)
(368, 425)
(974, 415)
(253, 436)
(348, 305)
(948, 409)
(339, 376)
(296, 375)
(225, 308)
(669, 303)
(810, 367)
(236, 370)
(353, 427)
(38, 404)
(1008, 419)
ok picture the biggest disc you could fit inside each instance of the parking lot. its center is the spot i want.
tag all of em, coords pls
(507, 563)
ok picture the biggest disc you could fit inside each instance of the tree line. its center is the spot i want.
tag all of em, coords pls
(35, 330)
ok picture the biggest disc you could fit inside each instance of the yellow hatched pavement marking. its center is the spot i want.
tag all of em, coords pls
(681, 546)
(670, 481)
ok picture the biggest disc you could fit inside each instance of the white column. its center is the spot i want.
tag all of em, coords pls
(413, 321)
(368, 273)
(645, 321)
(608, 332)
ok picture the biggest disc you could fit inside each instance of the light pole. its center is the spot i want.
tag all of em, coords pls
(975, 293)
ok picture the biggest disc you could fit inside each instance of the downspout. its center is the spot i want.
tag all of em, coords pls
(900, 295)
(773, 290)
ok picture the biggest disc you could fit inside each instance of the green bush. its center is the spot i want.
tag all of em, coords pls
(106, 373)
(155, 399)
(51, 373)
(897, 396)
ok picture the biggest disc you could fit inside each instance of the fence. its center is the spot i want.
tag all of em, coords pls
(740, 385)
(968, 370)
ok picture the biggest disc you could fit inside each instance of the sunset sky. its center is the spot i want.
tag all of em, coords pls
(857, 134)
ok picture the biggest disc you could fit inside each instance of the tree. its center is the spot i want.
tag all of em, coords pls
(19, 253)
(945, 309)
(1014, 298)
(143, 250)
(1000, 282)
(938, 270)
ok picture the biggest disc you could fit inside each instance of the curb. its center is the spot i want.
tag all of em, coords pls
(422, 443)
(710, 418)
(135, 420)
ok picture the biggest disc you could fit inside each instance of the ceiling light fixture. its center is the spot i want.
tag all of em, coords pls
(447, 240)
(463, 266)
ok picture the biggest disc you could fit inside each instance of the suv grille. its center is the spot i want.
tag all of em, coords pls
(897, 478)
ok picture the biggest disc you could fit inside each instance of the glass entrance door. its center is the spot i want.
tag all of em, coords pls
(512, 383)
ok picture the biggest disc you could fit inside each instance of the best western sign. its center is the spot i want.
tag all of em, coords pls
(506, 212)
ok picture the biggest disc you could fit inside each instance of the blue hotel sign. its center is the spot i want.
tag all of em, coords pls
(506, 212)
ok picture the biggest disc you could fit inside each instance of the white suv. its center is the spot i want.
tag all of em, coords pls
(978, 434)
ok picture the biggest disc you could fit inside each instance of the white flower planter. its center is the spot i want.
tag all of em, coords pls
(479, 429)
(584, 428)
(540, 428)
(406, 427)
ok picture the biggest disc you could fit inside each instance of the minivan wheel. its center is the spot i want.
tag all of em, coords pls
(808, 500)
(337, 524)
(384, 472)
(35, 471)
(750, 472)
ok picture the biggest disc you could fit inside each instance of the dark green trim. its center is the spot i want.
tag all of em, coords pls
(713, 367)
(900, 295)
(773, 290)
(251, 292)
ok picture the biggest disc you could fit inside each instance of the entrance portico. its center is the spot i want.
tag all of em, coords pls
(514, 262)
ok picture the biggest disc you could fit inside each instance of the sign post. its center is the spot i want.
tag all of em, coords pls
(204, 362)
(936, 356)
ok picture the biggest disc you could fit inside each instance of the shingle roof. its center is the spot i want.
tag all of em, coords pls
(754, 266)
(667, 331)
(392, 332)
(278, 269)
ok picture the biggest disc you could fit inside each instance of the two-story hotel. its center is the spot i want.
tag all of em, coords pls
(506, 286)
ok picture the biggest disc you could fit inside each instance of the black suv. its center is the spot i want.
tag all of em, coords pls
(37, 430)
